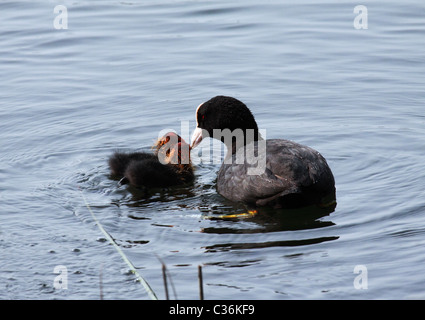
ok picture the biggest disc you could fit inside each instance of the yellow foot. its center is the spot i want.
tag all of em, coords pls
(249, 214)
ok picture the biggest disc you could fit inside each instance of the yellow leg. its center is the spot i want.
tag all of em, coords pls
(249, 214)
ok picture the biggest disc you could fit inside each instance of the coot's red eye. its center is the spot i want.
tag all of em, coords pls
(203, 117)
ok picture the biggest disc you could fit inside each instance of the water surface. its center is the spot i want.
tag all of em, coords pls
(125, 70)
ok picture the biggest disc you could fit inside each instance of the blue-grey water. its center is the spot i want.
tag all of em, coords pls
(123, 71)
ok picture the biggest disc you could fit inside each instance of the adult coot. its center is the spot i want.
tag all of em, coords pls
(275, 172)
(169, 165)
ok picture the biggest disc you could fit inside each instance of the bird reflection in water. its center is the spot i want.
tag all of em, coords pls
(267, 220)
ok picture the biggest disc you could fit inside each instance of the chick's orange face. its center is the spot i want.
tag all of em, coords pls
(171, 148)
(170, 139)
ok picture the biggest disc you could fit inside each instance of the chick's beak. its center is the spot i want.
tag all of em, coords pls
(196, 137)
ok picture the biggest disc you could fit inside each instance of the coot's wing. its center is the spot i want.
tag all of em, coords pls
(253, 178)
(284, 168)
(234, 183)
(300, 164)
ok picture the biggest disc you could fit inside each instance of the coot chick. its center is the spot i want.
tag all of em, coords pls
(285, 175)
(169, 165)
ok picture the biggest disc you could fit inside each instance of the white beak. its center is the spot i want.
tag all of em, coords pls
(196, 137)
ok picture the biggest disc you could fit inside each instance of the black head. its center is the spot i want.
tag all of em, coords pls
(221, 113)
